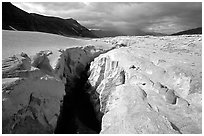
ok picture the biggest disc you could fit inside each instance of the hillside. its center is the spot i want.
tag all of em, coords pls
(14, 18)
(189, 32)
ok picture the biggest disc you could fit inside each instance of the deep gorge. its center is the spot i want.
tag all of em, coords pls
(77, 112)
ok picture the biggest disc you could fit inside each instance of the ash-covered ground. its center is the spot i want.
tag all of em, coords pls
(125, 84)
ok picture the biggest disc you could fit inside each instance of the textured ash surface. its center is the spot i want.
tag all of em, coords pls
(140, 84)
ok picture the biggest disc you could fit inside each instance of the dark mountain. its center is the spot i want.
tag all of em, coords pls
(189, 32)
(14, 18)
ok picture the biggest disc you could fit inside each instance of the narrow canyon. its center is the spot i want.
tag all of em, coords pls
(137, 85)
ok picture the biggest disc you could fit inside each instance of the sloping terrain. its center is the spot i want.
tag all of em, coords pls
(189, 32)
(14, 18)
(150, 85)
(35, 85)
(33, 91)
(138, 84)
(15, 42)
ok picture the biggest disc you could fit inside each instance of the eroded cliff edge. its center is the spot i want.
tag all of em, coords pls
(139, 85)
(40, 96)
(150, 88)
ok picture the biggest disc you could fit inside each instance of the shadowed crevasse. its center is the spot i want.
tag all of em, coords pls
(77, 113)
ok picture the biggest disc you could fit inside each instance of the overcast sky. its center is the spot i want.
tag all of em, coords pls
(124, 17)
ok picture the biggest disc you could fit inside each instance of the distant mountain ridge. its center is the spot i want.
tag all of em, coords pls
(190, 31)
(106, 33)
(103, 33)
(14, 18)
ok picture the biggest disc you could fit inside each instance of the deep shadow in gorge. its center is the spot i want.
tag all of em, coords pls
(77, 113)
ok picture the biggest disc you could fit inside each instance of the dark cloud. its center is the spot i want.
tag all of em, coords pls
(130, 17)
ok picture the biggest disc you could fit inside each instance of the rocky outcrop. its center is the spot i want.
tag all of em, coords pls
(33, 91)
(73, 61)
(77, 115)
(138, 95)
(31, 96)
(31, 105)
